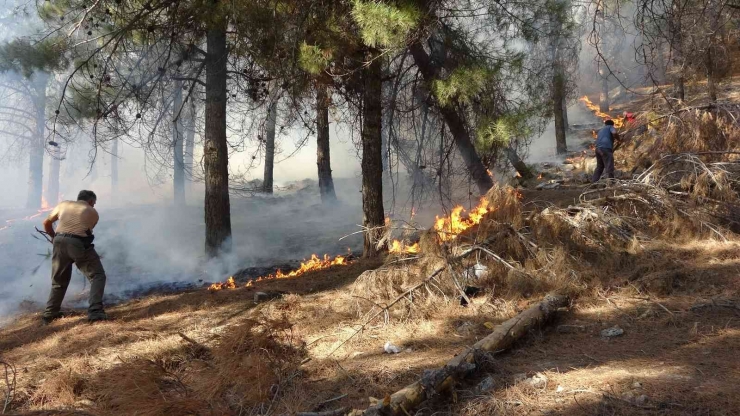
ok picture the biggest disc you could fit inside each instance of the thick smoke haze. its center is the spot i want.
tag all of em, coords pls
(143, 237)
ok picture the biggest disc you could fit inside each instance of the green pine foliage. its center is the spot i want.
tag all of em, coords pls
(463, 85)
(25, 57)
(313, 59)
(383, 25)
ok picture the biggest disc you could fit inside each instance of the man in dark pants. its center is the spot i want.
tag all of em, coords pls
(73, 244)
(605, 151)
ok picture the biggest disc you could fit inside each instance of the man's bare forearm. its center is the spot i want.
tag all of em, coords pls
(49, 229)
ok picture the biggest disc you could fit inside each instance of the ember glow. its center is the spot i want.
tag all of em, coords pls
(595, 108)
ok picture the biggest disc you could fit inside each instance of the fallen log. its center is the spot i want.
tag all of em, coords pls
(434, 382)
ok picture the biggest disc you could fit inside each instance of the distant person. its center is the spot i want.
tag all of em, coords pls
(605, 151)
(73, 243)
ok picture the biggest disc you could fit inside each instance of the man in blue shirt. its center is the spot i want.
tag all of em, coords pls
(605, 151)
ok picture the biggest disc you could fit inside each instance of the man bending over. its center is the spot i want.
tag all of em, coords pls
(73, 243)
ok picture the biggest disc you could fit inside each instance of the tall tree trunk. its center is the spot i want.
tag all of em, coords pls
(455, 122)
(372, 163)
(565, 113)
(270, 124)
(52, 194)
(323, 159)
(558, 97)
(215, 151)
(711, 86)
(36, 151)
(177, 138)
(604, 95)
(189, 142)
(114, 170)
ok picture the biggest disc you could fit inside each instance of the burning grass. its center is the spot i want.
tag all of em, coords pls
(315, 263)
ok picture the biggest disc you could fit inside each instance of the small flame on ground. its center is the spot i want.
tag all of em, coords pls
(398, 247)
(44, 208)
(518, 175)
(540, 176)
(597, 112)
(314, 263)
(489, 173)
(228, 284)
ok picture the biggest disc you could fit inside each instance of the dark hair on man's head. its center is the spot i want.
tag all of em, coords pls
(609, 122)
(86, 196)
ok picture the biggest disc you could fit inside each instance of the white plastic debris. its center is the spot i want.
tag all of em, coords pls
(476, 271)
(612, 332)
(390, 348)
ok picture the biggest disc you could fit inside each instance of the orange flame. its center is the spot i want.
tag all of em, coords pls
(312, 264)
(448, 228)
(398, 247)
(228, 284)
(44, 208)
(595, 108)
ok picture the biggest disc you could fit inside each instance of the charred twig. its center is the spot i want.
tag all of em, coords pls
(336, 412)
(45, 235)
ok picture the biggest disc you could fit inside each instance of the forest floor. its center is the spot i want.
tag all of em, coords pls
(222, 352)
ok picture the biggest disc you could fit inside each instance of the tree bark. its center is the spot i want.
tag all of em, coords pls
(323, 159)
(518, 163)
(215, 152)
(372, 163)
(558, 97)
(439, 381)
(565, 113)
(711, 85)
(455, 122)
(177, 138)
(189, 142)
(52, 194)
(114, 170)
(36, 150)
(267, 180)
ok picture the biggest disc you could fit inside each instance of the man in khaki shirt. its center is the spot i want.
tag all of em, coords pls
(73, 244)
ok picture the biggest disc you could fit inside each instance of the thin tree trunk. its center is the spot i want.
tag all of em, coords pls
(604, 95)
(323, 159)
(558, 92)
(372, 163)
(114, 169)
(215, 152)
(711, 85)
(52, 195)
(177, 137)
(189, 143)
(518, 163)
(36, 151)
(456, 124)
(267, 180)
